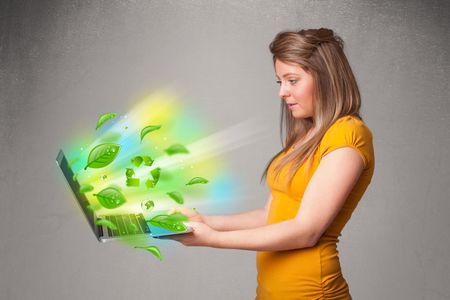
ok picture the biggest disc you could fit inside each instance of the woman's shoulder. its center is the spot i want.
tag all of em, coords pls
(349, 131)
(349, 124)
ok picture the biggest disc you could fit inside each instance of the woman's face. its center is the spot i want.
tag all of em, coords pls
(296, 88)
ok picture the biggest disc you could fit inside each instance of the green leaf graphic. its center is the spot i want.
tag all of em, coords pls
(150, 183)
(147, 205)
(146, 130)
(156, 173)
(133, 182)
(85, 188)
(93, 207)
(102, 155)
(137, 161)
(176, 196)
(107, 223)
(173, 222)
(197, 180)
(103, 118)
(178, 217)
(148, 161)
(153, 250)
(74, 177)
(110, 198)
(129, 172)
(175, 149)
(132, 228)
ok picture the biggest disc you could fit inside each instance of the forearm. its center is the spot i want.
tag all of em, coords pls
(280, 236)
(246, 220)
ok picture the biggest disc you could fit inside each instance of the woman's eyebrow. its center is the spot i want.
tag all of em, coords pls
(287, 74)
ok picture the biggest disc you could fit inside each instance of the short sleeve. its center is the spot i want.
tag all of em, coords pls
(349, 131)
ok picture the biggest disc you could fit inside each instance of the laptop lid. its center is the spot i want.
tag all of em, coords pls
(62, 162)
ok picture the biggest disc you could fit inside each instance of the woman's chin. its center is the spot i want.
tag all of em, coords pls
(300, 115)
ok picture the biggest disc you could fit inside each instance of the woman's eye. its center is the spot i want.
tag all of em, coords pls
(291, 81)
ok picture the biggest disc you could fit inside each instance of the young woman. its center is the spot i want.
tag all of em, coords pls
(315, 181)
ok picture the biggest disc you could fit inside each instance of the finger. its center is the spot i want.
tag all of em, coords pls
(191, 224)
(178, 239)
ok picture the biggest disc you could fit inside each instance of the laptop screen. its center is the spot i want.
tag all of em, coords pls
(75, 186)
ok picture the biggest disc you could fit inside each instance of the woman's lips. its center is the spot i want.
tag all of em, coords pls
(292, 105)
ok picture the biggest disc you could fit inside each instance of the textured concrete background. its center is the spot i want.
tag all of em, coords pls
(63, 62)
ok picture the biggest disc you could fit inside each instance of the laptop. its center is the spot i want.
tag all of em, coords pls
(130, 225)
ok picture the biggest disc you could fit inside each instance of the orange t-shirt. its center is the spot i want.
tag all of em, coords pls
(315, 272)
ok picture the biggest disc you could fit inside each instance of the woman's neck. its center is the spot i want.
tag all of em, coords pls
(304, 138)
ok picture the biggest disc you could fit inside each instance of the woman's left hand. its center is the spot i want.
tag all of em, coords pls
(201, 235)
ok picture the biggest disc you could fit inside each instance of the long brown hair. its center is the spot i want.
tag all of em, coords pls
(320, 52)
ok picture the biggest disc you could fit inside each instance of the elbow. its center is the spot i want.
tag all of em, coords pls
(263, 215)
(313, 240)
(308, 236)
(309, 240)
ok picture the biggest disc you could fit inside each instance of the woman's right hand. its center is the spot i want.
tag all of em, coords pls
(192, 214)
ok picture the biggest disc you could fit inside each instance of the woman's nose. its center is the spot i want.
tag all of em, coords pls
(284, 91)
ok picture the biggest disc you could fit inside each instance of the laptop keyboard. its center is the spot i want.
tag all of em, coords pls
(126, 225)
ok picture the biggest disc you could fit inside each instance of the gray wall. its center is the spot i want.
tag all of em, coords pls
(62, 62)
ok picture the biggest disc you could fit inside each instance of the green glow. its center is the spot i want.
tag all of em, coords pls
(73, 161)
(170, 159)
(111, 137)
